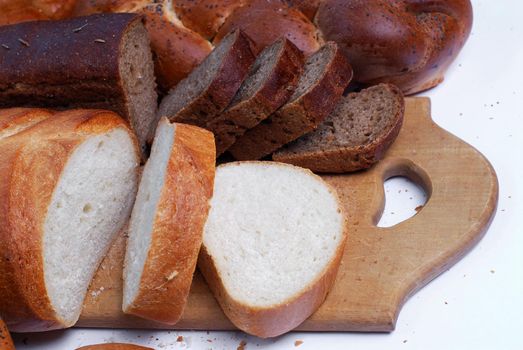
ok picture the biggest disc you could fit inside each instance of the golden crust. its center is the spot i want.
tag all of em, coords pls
(6, 343)
(178, 226)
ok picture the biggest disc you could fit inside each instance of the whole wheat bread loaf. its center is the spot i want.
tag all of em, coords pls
(101, 61)
(209, 88)
(326, 75)
(354, 136)
(269, 84)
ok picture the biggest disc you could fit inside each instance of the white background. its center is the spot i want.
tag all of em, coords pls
(478, 303)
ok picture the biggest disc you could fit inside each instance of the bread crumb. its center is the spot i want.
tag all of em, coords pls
(172, 275)
(242, 345)
(179, 339)
(418, 208)
(298, 342)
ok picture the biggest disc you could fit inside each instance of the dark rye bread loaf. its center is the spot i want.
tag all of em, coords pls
(354, 136)
(326, 75)
(209, 88)
(270, 83)
(100, 62)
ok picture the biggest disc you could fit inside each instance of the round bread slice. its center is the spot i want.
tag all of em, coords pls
(326, 75)
(68, 188)
(354, 136)
(272, 244)
(269, 84)
(166, 227)
(209, 88)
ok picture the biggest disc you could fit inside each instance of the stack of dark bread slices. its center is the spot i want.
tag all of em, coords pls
(71, 172)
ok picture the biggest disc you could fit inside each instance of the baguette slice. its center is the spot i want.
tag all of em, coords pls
(354, 136)
(269, 84)
(166, 226)
(272, 244)
(209, 88)
(326, 75)
(100, 61)
(15, 120)
(6, 343)
(68, 187)
(114, 346)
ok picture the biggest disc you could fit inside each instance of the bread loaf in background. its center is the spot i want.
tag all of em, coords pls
(68, 185)
(423, 37)
(101, 61)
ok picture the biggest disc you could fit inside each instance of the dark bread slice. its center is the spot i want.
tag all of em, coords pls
(209, 88)
(101, 62)
(326, 75)
(354, 136)
(270, 83)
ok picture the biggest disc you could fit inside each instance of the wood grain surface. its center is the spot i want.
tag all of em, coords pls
(381, 267)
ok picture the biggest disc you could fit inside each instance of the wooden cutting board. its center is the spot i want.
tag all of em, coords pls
(381, 267)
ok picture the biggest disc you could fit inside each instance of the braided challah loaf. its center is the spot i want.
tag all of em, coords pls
(409, 43)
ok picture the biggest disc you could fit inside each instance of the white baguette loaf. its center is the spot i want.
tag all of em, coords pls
(15, 120)
(272, 244)
(166, 227)
(68, 186)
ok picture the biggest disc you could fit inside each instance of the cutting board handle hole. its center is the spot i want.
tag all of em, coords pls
(407, 189)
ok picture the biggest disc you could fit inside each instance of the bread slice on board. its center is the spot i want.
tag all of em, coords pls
(209, 88)
(269, 84)
(15, 120)
(68, 186)
(114, 346)
(326, 75)
(100, 61)
(166, 227)
(354, 136)
(272, 244)
(6, 343)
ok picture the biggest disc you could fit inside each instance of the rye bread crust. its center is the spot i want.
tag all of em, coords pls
(67, 64)
(37, 52)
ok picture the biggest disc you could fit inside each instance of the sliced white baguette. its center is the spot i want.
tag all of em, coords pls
(68, 185)
(166, 227)
(272, 244)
